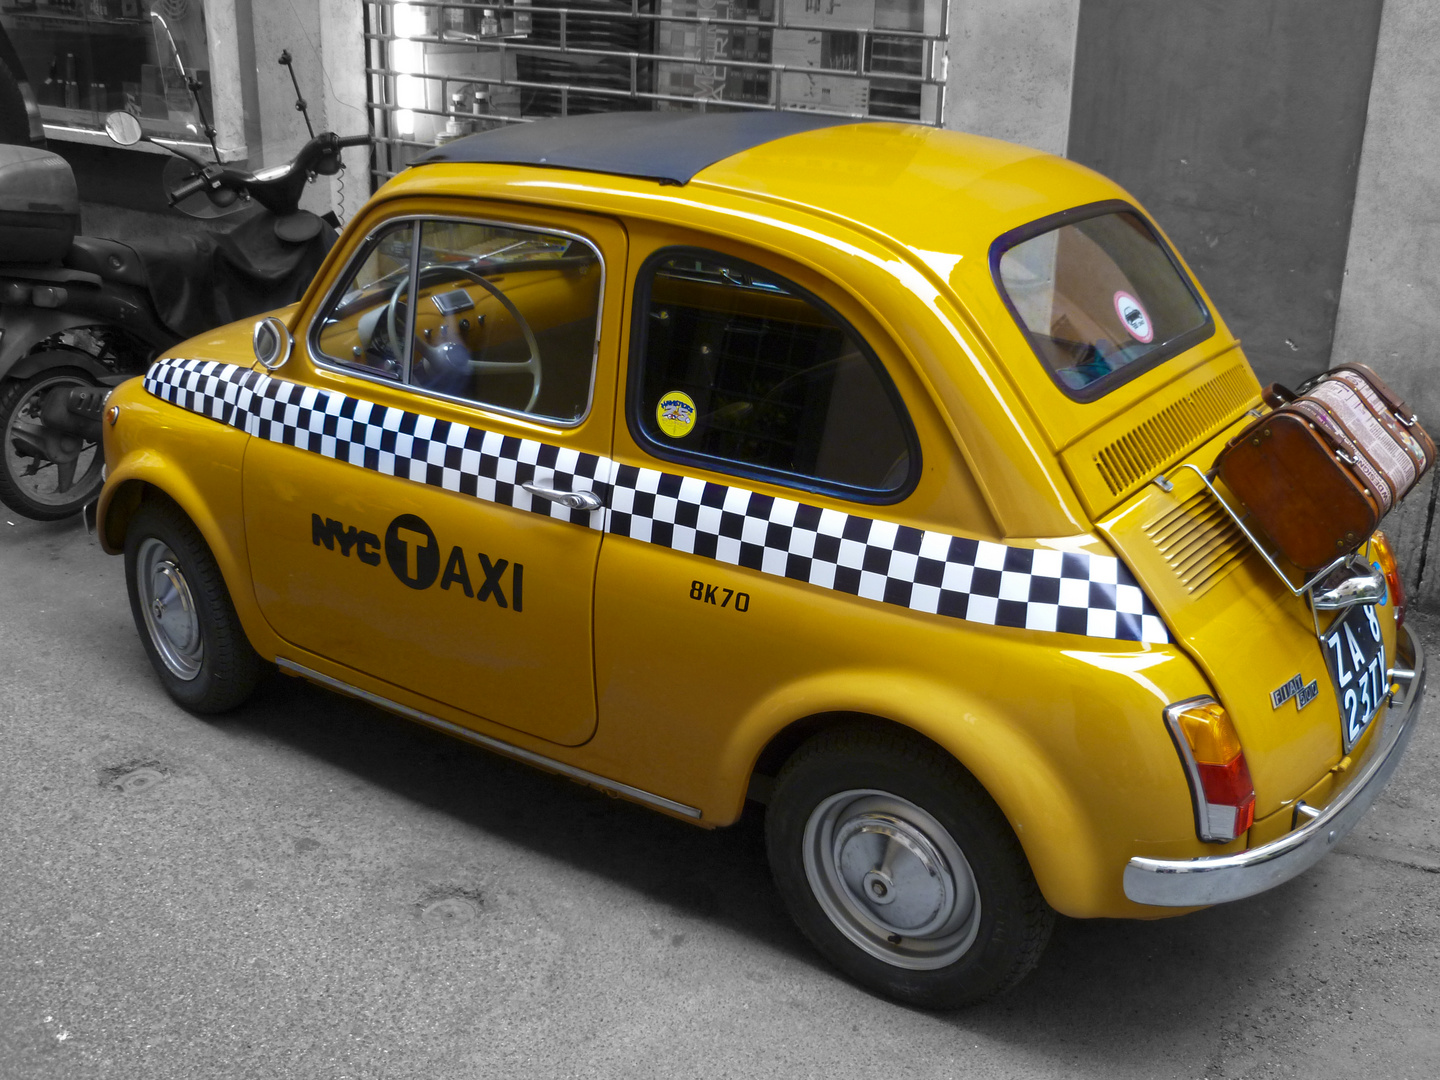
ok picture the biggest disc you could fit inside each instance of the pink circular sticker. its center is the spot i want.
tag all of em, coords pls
(1137, 322)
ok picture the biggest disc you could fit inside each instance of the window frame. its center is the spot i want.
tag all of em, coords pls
(675, 454)
(326, 362)
(1115, 379)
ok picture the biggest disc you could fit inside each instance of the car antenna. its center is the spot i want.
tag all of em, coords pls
(191, 83)
(289, 63)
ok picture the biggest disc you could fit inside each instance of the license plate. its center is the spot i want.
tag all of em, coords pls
(1355, 653)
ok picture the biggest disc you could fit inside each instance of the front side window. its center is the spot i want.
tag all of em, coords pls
(1100, 298)
(746, 372)
(364, 324)
(504, 318)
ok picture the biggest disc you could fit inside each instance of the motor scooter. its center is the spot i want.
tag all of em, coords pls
(80, 314)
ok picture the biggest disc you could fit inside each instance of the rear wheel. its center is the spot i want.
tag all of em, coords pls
(183, 612)
(902, 871)
(46, 488)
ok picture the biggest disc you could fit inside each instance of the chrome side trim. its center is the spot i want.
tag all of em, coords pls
(527, 756)
(1221, 878)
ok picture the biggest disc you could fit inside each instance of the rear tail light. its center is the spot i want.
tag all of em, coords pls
(1384, 554)
(1215, 766)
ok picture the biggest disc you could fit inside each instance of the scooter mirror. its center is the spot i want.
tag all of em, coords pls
(123, 128)
(273, 342)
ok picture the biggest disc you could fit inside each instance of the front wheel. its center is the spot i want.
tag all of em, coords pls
(901, 870)
(45, 475)
(183, 612)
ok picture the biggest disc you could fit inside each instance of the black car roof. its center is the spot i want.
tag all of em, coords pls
(670, 147)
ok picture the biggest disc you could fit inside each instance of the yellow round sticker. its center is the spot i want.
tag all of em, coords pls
(675, 414)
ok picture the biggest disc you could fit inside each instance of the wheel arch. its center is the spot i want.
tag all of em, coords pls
(1041, 807)
(134, 484)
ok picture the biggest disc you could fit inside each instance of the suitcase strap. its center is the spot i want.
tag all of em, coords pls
(1345, 449)
(1389, 419)
(1379, 443)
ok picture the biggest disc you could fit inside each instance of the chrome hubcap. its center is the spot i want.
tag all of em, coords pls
(169, 609)
(892, 879)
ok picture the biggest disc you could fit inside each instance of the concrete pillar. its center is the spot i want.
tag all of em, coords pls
(1011, 63)
(281, 25)
(223, 35)
(327, 42)
(342, 46)
(1390, 296)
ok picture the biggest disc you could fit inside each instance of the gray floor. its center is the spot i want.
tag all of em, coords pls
(310, 888)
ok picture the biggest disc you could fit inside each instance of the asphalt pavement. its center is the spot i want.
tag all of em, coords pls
(312, 888)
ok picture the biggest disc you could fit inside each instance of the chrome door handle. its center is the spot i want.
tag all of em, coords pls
(575, 500)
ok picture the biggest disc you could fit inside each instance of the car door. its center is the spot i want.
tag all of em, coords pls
(410, 512)
(761, 431)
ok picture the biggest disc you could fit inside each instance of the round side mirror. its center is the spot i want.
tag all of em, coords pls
(123, 128)
(273, 342)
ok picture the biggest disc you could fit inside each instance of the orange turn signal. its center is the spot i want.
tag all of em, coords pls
(1384, 554)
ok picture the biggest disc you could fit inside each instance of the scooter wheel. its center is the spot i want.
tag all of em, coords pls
(39, 487)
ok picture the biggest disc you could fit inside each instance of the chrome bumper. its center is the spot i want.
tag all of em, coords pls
(1215, 880)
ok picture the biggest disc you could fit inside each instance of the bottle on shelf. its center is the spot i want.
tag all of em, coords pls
(72, 84)
(521, 18)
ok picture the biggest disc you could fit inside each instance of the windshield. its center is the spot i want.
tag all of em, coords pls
(1100, 299)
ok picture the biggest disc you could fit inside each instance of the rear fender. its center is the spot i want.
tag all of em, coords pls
(24, 327)
(1038, 801)
(44, 361)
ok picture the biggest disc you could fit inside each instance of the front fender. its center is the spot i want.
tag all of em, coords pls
(155, 448)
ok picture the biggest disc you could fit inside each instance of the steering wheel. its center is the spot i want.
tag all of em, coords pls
(443, 357)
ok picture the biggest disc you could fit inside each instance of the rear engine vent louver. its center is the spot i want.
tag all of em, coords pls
(1147, 446)
(1200, 542)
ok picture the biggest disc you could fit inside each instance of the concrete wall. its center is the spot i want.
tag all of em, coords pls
(1390, 304)
(1011, 63)
(1239, 126)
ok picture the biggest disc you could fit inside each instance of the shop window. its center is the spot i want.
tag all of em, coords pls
(442, 71)
(745, 372)
(85, 58)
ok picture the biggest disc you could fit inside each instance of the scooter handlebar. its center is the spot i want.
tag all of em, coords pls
(280, 193)
(190, 187)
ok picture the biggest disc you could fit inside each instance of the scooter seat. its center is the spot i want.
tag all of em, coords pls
(110, 259)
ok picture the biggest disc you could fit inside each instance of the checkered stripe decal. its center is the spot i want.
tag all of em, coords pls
(1034, 588)
(393, 442)
(980, 582)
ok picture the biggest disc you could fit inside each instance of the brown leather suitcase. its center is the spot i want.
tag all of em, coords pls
(1320, 472)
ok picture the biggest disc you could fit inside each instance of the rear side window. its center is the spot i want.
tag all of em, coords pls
(744, 372)
(1099, 296)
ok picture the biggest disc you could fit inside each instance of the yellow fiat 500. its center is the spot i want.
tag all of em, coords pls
(859, 469)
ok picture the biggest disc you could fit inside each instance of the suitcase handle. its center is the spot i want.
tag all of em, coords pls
(1276, 395)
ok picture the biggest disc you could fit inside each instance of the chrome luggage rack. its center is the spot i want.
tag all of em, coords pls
(1334, 599)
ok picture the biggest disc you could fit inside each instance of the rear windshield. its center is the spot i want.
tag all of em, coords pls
(1100, 298)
